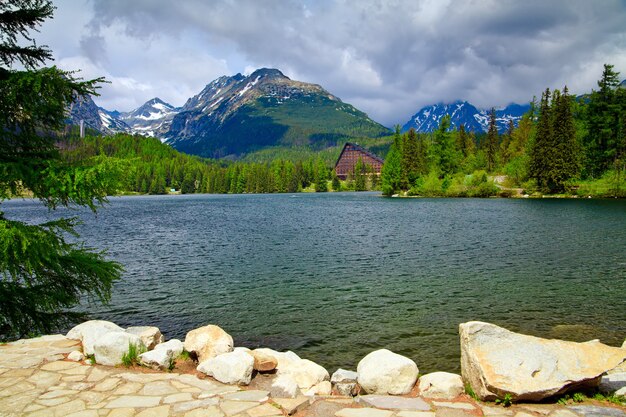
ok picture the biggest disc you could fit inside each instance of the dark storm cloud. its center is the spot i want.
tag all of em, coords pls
(387, 57)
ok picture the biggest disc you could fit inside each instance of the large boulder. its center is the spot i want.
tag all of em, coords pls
(306, 373)
(229, 368)
(385, 372)
(90, 331)
(496, 362)
(163, 355)
(110, 348)
(284, 386)
(150, 335)
(441, 385)
(207, 342)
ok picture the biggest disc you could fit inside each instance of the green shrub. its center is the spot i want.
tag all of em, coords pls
(131, 357)
(505, 401)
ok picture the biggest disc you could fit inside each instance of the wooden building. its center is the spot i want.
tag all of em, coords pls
(350, 155)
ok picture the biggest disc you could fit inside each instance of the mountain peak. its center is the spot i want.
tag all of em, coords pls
(268, 72)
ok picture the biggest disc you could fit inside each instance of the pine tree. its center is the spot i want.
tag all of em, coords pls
(566, 152)
(540, 153)
(492, 141)
(43, 275)
(413, 159)
(391, 174)
(321, 177)
(506, 143)
(359, 176)
(443, 152)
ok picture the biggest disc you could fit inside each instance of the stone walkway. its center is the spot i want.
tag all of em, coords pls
(37, 380)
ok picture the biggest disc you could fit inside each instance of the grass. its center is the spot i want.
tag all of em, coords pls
(505, 401)
(579, 397)
(131, 357)
(470, 391)
(91, 358)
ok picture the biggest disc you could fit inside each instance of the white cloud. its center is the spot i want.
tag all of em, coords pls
(387, 57)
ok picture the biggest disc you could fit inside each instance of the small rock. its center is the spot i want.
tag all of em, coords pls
(110, 348)
(390, 402)
(263, 362)
(173, 345)
(441, 385)
(149, 335)
(597, 411)
(229, 368)
(76, 356)
(614, 384)
(343, 375)
(306, 373)
(208, 342)
(385, 372)
(323, 388)
(157, 359)
(363, 412)
(347, 389)
(90, 331)
(292, 405)
(283, 359)
(284, 386)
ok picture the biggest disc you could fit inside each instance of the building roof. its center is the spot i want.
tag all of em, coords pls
(360, 149)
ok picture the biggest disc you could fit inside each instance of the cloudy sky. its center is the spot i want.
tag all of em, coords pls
(387, 57)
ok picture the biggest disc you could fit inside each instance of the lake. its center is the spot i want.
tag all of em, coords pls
(335, 276)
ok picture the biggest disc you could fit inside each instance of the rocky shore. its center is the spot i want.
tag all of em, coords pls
(84, 374)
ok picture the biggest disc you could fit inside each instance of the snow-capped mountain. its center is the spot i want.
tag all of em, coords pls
(151, 119)
(238, 114)
(95, 117)
(462, 112)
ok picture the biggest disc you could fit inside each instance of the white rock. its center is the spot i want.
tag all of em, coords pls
(323, 388)
(496, 362)
(163, 354)
(207, 342)
(229, 368)
(110, 348)
(150, 335)
(90, 331)
(284, 386)
(385, 372)
(343, 375)
(306, 373)
(441, 385)
(283, 359)
(614, 384)
(76, 356)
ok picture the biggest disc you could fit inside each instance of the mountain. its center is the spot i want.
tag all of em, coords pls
(236, 115)
(95, 117)
(151, 119)
(462, 112)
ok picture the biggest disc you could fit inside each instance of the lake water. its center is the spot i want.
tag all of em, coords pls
(335, 276)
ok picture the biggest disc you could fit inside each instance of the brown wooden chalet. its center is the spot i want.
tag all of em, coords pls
(350, 155)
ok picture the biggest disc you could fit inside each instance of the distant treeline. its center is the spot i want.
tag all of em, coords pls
(151, 167)
(562, 145)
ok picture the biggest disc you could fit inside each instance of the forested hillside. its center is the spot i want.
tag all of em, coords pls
(563, 145)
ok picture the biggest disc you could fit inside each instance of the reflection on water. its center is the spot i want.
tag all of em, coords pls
(335, 276)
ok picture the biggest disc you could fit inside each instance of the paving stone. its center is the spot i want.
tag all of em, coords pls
(128, 388)
(59, 366)
(97, 374)
(57, 393)
(292, 405)
(230, 407)
(391, 402)
(122, 412)
(190, 405)
(177, 398)
(563, 413)
(264, 410)
(457, 406)
(84, 413)
(212, 411)
(108, 384)
(158, 388)
(597, 411)
(206, 385)
(73, 378)
(453, 412)
(67, 408)
(538, 408)
(363, 412)
(251, 395)
(496, 411)
(91, 397)
(134, 401)
(523, 414)
(44, 379)
(33, 407)
(16, 373)
(415, 414)
(53, 401)
(162, 411)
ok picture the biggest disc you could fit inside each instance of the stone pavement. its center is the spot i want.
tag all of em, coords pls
(37, 380)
